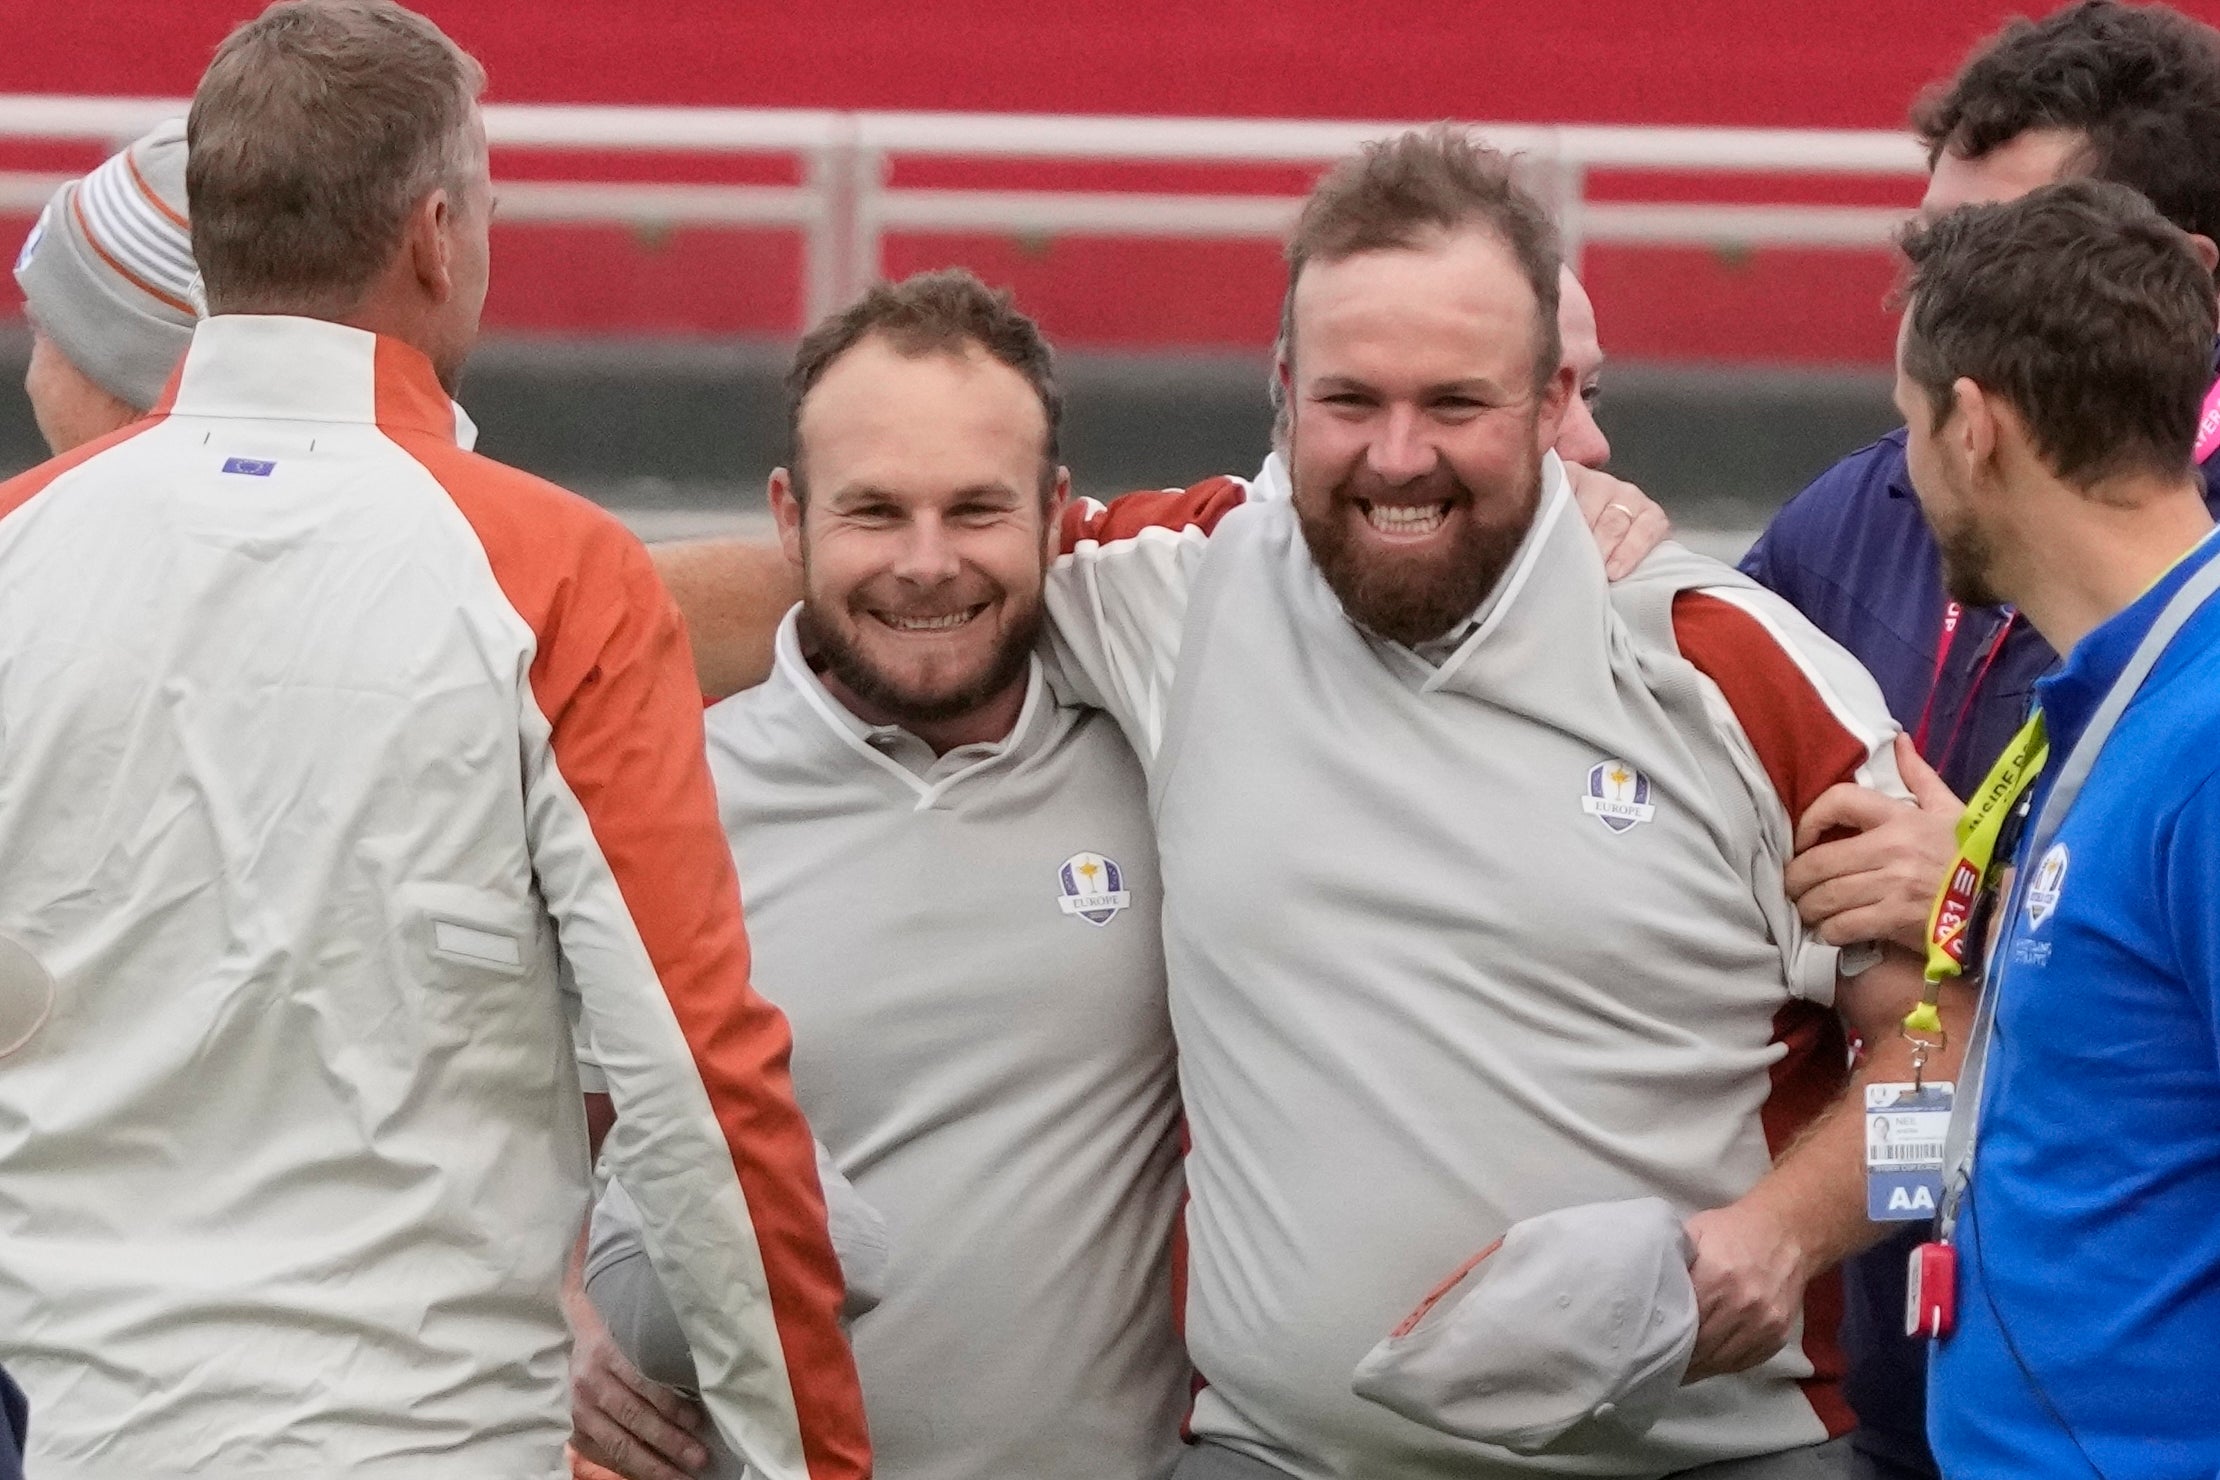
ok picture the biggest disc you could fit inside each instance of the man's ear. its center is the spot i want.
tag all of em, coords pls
(1059, 499)
(1976, 428)
(426, 240)
(1283, 398)
(2206, 252)
(786, 512)
(1557, 394)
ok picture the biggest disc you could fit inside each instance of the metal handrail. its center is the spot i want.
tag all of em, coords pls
(847, 201)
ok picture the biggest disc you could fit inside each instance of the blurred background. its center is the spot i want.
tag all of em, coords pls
(686, 184)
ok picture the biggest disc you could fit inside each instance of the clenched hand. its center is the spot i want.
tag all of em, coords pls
(1749, 1276)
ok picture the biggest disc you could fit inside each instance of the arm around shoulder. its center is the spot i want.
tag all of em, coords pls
(732, 594)
(1117, 597)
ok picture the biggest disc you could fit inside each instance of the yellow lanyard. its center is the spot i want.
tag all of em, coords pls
(1978, 831)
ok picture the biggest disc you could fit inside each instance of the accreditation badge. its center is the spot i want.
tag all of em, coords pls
(1904, 1129)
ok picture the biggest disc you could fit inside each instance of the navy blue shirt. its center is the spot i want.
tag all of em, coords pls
(1852, 552)
(13, 1428)
(2089, 1240)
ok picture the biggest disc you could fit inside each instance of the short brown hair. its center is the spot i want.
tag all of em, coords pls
(944, 313)
(2140, 82)
(317, 127)
(2081, 307)
(1394, 191)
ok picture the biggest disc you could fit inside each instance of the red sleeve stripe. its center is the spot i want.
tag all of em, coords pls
(1200, 507)
(1806, 1079)
(1806, 740)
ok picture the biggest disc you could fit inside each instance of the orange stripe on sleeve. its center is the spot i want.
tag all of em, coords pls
(615, 680)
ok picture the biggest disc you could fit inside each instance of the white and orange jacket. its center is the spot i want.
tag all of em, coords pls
(333, 759)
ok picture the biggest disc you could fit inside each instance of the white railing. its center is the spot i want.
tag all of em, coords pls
(847, 202)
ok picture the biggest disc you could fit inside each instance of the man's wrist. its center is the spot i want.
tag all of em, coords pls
(1772, 1218)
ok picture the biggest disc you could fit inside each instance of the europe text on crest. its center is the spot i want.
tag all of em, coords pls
(1092, 887)
(1618, 796)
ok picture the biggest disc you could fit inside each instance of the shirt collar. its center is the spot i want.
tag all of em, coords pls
(1271, 480)
(275, 367)
(1548, 508)
(1900, 467)
(891, 746)
(2071, 694)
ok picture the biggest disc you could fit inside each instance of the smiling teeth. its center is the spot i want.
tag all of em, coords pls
(1407, 518)
(928, 624)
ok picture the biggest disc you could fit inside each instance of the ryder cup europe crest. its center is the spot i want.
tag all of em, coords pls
(1618, 796)
(2047, 884)
(1091, 887)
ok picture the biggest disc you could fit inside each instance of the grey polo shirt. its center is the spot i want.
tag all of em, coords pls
(1457, 939)
(967, 947)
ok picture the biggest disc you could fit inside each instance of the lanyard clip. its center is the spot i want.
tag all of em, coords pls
(1924, 1030)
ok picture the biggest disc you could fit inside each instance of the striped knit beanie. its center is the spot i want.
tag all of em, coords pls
(108, 270)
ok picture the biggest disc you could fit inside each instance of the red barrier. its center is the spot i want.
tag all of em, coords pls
(1824, 63)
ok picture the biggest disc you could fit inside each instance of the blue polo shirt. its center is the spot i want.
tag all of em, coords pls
(2089, 1239)
(1852, 552)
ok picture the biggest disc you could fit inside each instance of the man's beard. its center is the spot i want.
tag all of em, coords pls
(1414, 596)
(829, 638)
(1968, 562)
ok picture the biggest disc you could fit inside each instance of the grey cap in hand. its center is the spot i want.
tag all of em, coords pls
(1573, 1332)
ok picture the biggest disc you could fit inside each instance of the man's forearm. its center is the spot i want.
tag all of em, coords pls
(1816, 1191)
(733, 594)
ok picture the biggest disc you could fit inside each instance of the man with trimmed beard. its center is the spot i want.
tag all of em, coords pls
(1627, 524)
(952, 892)
(733, 591)
(1473, 867)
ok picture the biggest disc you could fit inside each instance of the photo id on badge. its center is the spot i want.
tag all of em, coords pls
(1904, 1129)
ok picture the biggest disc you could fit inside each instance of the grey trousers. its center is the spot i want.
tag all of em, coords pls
(1829, 1461)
